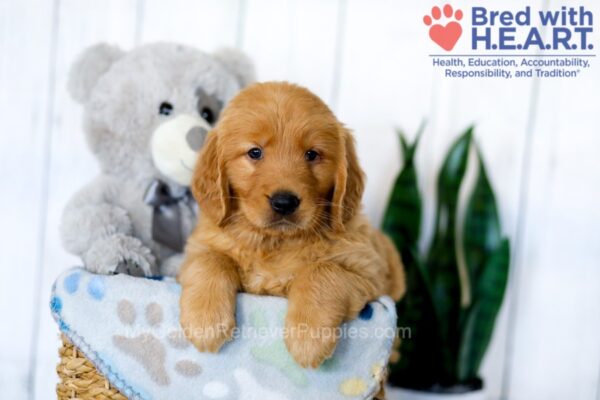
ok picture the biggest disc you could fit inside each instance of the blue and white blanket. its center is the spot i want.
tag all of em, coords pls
(129, 328)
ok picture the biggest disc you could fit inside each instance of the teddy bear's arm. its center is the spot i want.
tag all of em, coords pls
(95, 228)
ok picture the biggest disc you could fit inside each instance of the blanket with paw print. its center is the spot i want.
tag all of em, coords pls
(129, 328)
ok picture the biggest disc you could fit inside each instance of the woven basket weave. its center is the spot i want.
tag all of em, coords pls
(79, 379)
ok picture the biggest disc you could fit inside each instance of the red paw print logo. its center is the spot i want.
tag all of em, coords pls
(447, 35)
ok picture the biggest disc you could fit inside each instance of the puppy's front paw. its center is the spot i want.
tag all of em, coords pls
(208, 328)
(309, 341)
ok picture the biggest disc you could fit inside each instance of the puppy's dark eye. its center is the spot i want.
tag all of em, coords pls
(255, 153)
(165, 108)
(208, 115)
(311, 155)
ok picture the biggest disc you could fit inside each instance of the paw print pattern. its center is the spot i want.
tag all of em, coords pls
(275, 353)
(147, 349)
(96, 286)
(447, 35)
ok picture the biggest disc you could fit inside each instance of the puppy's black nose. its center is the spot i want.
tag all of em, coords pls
(284, 203)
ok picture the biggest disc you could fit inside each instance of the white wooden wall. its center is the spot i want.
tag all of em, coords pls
(367, 59)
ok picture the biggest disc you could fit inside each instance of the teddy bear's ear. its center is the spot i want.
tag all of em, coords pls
(237, 63)
(89, 67)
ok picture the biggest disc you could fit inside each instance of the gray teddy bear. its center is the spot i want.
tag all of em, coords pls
(146, 114)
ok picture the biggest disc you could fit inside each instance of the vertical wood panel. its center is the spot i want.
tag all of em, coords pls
(293, 40)
(384, 84)
(25, 81)
(555, 351)
(81, 24)
(205, 24)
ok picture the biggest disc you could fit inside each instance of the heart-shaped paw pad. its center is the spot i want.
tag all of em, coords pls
(447, 35)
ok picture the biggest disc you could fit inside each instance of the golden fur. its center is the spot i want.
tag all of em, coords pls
(325, 257)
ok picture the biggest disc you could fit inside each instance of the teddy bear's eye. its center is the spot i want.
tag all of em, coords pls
(208, 106)
(208, 115)
(165, 108)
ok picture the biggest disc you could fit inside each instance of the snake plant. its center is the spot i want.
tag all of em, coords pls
(455, 289)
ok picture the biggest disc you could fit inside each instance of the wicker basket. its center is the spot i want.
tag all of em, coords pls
(79, 379)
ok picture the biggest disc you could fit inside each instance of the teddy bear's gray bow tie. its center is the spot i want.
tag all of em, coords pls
(166, 217)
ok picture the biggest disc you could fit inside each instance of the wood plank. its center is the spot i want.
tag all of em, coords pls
(204, 24)
(293, 40)
(552, 351)
(25, 81)
(385, 83)
(81, 24)
(555, 352)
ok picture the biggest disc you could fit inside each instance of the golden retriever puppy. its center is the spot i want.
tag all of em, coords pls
(279, 187)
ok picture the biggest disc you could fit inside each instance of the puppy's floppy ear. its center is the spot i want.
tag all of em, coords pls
(349, 185)
(209, 183)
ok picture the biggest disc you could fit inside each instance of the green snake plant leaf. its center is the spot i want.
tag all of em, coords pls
(441, 262)
(420, 345)
(481, 318)
(402, 219)
(481, 231)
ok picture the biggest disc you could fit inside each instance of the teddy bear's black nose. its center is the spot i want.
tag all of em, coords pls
(195, 137)
(284, 203)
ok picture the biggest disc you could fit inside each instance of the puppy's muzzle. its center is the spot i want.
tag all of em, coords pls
(284, 203)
